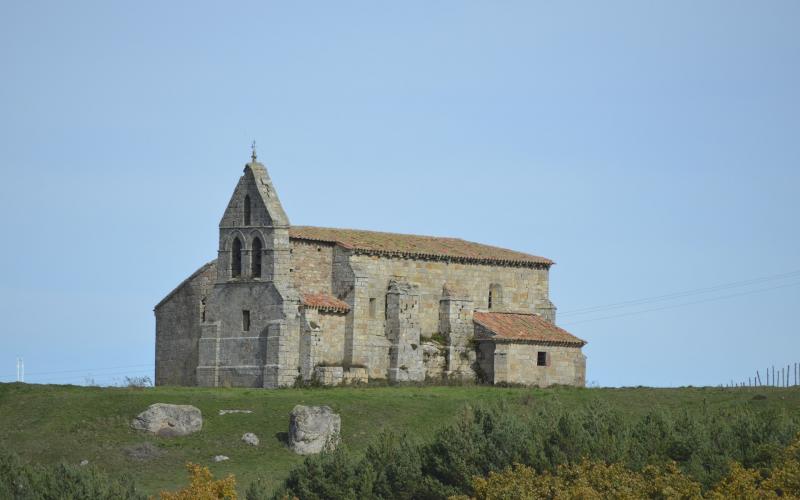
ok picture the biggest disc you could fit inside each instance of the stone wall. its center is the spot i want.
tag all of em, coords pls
(516, 362)
(362, 337)
(366, 279)
(434, 359)
(178, 332)
(312, 266)
(523, 289)
(485, 362)
(232, 353)
(322, 341)
(365, 338)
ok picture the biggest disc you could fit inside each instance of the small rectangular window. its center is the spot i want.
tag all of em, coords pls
(372, 306)
(541, 359)
(246, 321)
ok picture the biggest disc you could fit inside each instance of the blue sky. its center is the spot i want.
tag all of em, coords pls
(648, 148)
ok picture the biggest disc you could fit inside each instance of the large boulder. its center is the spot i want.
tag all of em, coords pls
(167, 420)
(313, 429)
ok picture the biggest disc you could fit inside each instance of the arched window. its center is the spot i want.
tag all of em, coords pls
(255, 257)
(236, 258)
(495, 296)
(247, 210)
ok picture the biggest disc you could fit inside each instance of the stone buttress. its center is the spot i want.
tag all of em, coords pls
(403, 331)
(455, 325)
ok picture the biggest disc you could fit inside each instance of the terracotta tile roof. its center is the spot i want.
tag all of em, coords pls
(521, 326)
(325, 302)
(407, 245)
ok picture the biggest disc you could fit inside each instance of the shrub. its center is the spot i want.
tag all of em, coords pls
(202, 486)
(328, 475)
(25, 481)
(690, 448)
(138, 382)
(480, 441)
(595, 479)
(589, 480)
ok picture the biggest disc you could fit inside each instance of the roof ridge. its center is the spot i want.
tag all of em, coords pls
(521, 313)
(424, 246)
(373, 231)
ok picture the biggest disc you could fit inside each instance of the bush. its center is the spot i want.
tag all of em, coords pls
(596, 479)
(589, 480)
(20, 481)
(699, 446)
(138, 382)
(202, 486)
(328, 475)
(481, 440)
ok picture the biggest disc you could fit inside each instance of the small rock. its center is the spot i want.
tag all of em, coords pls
(313, 429)
(250, 439)
(168, 420)
(226, 412)
(220, 458)
(84, 463)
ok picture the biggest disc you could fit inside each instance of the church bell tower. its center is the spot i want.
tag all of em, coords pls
(252, 312)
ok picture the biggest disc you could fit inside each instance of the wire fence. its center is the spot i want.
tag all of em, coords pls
(780, 376)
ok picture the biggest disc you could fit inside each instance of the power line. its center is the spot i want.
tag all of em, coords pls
(678, 295)
(86, 376)
(673, 306)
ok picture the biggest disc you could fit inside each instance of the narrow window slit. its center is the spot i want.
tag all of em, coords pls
(236, 258)
(245, 321)
(256, 258)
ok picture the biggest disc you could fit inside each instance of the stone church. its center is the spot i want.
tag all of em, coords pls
(283, 303)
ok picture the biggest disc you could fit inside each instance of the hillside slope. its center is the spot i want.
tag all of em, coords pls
(50, 424)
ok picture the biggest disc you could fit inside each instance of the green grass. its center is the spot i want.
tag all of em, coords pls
(50, 424)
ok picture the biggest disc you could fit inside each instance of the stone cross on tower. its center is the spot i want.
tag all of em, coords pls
(253, 154)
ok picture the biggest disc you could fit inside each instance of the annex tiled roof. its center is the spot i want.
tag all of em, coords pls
(521, 326)
(325, 302)
(407, 245)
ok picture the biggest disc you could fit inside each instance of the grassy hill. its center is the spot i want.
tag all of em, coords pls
(50, 424)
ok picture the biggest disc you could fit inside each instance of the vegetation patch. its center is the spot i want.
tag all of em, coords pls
(701, 451)
(50, 425)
